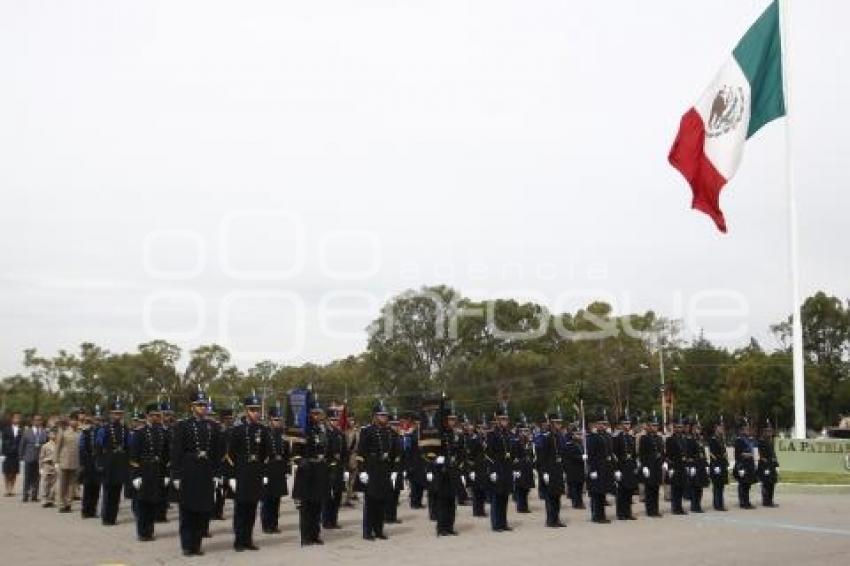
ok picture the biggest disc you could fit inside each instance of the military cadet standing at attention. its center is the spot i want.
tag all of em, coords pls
(651, 455)
(89, 465)
(444, 476)
(375, 454)
(245, 469)
(767, 466)
(574, 458)
(195, 462)
(112, 442)
(223, 423)
(337, 474)
(148, 466)
(626, 474)
(745, 465)
(477, 463)
(167, 418)
(499, 451)
(413, 462)
(677, 462)
(698, 471)
(719, 465)
(311, 486)
(549, 446)
(600, 468)
(277, 468)
(525, 459)
(396, 474)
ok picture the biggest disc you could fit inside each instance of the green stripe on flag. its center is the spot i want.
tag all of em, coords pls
(759, 54)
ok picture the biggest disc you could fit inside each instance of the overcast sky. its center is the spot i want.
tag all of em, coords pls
(266, 174)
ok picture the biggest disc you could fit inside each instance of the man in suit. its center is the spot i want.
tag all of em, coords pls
(32, 440)
(11, 439)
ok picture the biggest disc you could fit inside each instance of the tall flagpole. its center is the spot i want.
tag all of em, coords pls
(796, 324)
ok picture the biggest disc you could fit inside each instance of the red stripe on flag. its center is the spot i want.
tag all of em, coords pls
(687, 155)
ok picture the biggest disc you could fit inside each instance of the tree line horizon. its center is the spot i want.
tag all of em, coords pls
(421, 344)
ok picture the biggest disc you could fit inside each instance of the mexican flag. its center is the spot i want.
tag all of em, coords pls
(745, 95)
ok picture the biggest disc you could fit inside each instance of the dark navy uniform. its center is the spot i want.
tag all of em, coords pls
(112, 442)
(745, 468)
(698, 470)
(651, 455)
(195, 469)
(499, 450)
(148, 466)
(767, 467)
(312, 483)
(396, 477)
(719, 468)
(677, 461)
(446, 482)
(376, 456)
(414, 466)
(245, 470)
(574, 467)
(90, 471)
(600, 472)
(277, 470)
(476, 445)
(626, 475)
(337, 474)
(524, 462)
(550, 446)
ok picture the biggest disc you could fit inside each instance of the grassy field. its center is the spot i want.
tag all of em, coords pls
(816, 478)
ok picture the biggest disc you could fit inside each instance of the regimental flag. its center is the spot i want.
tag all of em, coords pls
(745, 95)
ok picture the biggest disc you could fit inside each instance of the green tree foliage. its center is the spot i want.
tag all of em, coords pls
(435, 340)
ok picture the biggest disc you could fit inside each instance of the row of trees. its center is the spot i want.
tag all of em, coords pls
(435, 340)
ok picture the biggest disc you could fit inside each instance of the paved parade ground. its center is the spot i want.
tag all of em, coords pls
(809, 527)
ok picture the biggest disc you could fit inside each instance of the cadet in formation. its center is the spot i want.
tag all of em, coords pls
(376, 455)
(112, 443)
(149, 454)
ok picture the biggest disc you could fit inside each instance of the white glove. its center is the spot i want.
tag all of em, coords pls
(741, 473)
(767, 472)
(429, 476)
(463, 480)
(618, 475)
(493, 476)
(692, 472)
(265, 480)
(232, 483)
(216, 482)
(393, 477)
(646, 473)
(440, 460)
(545, 478)
(665, 466)
(517, 474)
(364, 478)
(165, 482)
(345, 476)
(176, 484)
(472, 476)
(137, 483)
(706, 470)
(584, 457)
(671, 473)
(404, 475)
(593, 475)
(717, 470)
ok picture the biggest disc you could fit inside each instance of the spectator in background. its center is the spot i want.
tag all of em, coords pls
(68, 461)
(11, 437)
(32, 440)
(47, 465)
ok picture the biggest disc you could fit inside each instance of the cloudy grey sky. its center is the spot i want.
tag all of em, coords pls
(266, 174)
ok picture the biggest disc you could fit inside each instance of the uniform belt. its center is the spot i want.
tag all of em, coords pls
(316, 459)
(278, 457)
(252, 458)
(202, 454)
